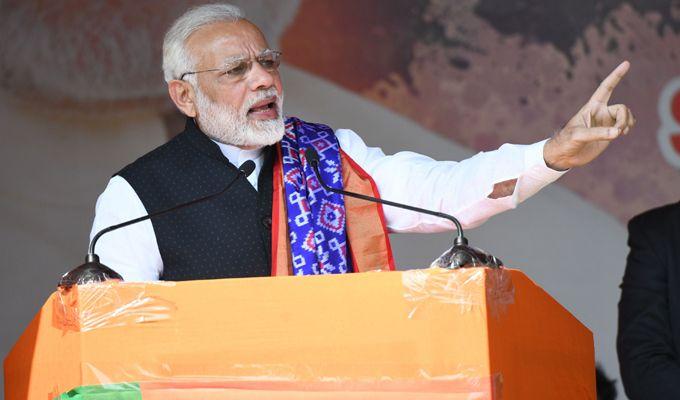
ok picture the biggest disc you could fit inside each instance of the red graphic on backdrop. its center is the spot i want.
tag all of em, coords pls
(675, 140)
(669, 113)
(675, 112)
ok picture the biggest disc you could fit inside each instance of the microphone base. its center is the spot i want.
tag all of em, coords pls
(461, 255)
(92, 271)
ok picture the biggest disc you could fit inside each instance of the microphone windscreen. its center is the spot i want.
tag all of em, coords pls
(247, 167)
(312, 156)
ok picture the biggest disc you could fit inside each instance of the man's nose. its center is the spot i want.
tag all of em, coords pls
(260, 78)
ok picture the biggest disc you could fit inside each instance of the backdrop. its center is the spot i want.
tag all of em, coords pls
(81, 95)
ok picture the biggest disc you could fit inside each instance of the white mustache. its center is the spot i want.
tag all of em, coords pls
(261, 95)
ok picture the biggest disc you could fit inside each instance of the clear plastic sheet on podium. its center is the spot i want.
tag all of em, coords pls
(419, 334)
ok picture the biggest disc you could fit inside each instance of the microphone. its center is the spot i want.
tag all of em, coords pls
(459, 256)
(93, 271)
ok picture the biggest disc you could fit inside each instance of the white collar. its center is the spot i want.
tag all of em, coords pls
(236, 155)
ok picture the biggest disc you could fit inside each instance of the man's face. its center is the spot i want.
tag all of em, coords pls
(243, 111)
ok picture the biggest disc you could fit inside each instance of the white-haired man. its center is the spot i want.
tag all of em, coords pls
(223, 76)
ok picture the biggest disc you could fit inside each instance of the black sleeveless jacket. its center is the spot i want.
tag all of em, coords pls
(225, 237)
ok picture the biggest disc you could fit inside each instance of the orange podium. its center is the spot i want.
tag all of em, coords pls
(419, 334)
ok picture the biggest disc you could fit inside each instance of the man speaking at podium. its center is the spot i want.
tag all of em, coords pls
(224, 77)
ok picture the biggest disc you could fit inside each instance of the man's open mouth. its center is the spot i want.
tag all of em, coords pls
(264, 107)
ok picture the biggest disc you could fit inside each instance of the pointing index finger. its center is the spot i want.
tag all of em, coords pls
(604, 91)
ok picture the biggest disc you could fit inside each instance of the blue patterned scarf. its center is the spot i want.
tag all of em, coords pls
(316, 218)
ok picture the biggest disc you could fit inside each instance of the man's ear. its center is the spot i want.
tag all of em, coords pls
(183, 95)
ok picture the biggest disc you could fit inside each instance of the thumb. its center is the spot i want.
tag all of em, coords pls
(594, 134)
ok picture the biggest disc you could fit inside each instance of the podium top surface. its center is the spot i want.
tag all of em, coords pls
(420, 331)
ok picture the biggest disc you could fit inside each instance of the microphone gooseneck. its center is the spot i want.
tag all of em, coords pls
(245, 170)
(460, 255)
(313, 159)
(94, 271)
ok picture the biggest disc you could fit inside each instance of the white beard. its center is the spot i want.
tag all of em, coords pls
(224, 124)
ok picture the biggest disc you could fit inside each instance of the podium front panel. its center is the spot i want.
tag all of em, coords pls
(420, 334)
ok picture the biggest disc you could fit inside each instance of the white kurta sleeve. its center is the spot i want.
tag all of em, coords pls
(131, 251)
(457, 188)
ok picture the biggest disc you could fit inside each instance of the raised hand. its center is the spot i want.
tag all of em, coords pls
(594, 126)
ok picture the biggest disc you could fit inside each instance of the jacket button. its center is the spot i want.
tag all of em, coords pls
(267, 222)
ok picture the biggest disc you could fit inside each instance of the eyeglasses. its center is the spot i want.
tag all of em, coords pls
(236, 69)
